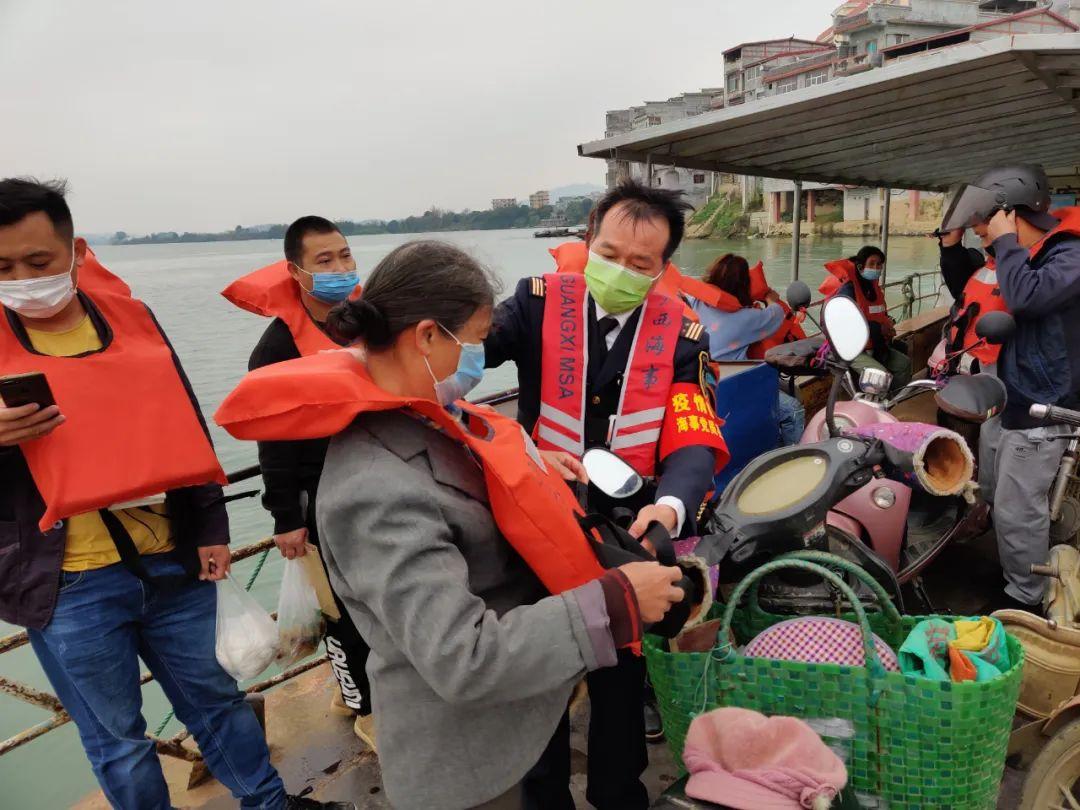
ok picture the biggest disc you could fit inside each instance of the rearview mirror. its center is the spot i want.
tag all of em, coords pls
(845, 327)
(610, 474)
(995, 327)
(798, 295)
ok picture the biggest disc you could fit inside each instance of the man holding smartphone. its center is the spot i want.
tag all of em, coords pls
(98, 586)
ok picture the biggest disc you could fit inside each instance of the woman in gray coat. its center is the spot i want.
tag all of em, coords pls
(472, 661)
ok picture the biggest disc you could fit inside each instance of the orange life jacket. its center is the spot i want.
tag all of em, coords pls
(759, 287)
(708, 294)
(130, 428)
(1069, 223)
(790, 330)
(844, 271)
(645, 421)
(320, 395)
(273, 293)
(981, 295)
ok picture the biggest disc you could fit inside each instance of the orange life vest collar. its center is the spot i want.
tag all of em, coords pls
(273, 293)
(1068, 223)
(320, 395)
(844, 271)
(563, 374)
(708, 294)
(131, 430)
(981, 295)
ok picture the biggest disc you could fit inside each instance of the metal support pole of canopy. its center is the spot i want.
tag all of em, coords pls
(887, 205)
(648, 170)
(796, 230)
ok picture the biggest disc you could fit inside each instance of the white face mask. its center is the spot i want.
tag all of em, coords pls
(39, 298)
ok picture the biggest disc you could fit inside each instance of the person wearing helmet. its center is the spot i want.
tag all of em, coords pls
(971, 278)
(1037, 257)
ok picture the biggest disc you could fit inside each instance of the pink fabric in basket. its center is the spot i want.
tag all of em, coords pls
(818, 640)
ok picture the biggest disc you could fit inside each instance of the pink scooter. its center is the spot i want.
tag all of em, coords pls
(905, 527)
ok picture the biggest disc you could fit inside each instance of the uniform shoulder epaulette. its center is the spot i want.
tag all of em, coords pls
(537, 286)
(691, 330)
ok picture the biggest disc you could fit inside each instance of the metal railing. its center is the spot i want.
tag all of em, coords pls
(911, 291)
(911, 288)
(169, 746)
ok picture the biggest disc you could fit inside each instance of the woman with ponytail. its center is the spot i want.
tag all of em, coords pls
(734, 324)
(451, 541)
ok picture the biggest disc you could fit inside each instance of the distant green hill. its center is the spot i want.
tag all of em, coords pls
(433, 220)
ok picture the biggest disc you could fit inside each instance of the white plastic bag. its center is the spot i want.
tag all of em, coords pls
(246, 634)
(299, 618)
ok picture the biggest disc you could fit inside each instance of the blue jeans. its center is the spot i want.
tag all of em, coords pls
(107, 619)
(790, 419)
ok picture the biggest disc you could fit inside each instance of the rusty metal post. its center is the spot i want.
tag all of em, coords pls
(796, 230)
(885, 216)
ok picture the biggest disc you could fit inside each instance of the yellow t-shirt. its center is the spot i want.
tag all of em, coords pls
(89, 545)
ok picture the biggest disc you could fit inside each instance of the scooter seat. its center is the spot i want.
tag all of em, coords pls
(973, 398)
(795, 358)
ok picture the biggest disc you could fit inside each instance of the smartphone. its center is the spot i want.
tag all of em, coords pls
(22, 389)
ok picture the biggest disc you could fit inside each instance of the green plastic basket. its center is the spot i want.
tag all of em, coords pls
(907, 742)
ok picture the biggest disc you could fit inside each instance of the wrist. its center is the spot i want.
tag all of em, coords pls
(288, 521)
(624, 616)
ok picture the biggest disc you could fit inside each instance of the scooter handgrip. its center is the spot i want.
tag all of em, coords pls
(1053, 413)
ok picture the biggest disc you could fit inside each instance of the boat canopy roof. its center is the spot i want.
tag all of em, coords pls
(928, 122)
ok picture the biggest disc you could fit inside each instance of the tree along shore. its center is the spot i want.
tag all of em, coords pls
(432, 221)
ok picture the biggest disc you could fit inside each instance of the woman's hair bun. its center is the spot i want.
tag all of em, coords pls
(360, 320)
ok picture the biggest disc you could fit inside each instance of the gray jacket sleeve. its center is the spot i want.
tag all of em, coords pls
(394, 552)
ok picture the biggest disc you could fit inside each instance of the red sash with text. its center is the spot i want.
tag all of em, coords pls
(646, 380)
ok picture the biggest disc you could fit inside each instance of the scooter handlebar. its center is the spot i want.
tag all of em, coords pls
(1052, 413)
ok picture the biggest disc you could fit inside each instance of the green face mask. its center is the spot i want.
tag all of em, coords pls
(616, 288)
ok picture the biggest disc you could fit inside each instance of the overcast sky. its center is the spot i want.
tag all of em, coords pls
(201, 115)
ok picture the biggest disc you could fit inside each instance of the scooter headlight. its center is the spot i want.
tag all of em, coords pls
(842, 423)
(883, 497)
(874, 381)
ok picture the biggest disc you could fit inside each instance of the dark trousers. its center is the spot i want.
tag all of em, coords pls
(346, 649)
(547, 785)
(348, 654)
(617, 753)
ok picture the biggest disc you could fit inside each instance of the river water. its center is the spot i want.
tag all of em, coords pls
(181, 282)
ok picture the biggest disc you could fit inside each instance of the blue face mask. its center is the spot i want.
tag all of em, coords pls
(470, 370)
(330, 288)
(870, 274)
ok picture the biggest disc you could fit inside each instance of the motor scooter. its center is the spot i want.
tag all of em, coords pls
(905, 526)
(781, 500)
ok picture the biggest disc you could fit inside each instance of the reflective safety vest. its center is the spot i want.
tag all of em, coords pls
(981, 295)
(273, 293)
(131, 430)
(320, 395)
(653, 415)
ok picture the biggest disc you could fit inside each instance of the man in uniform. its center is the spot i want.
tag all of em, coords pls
(605, 361)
